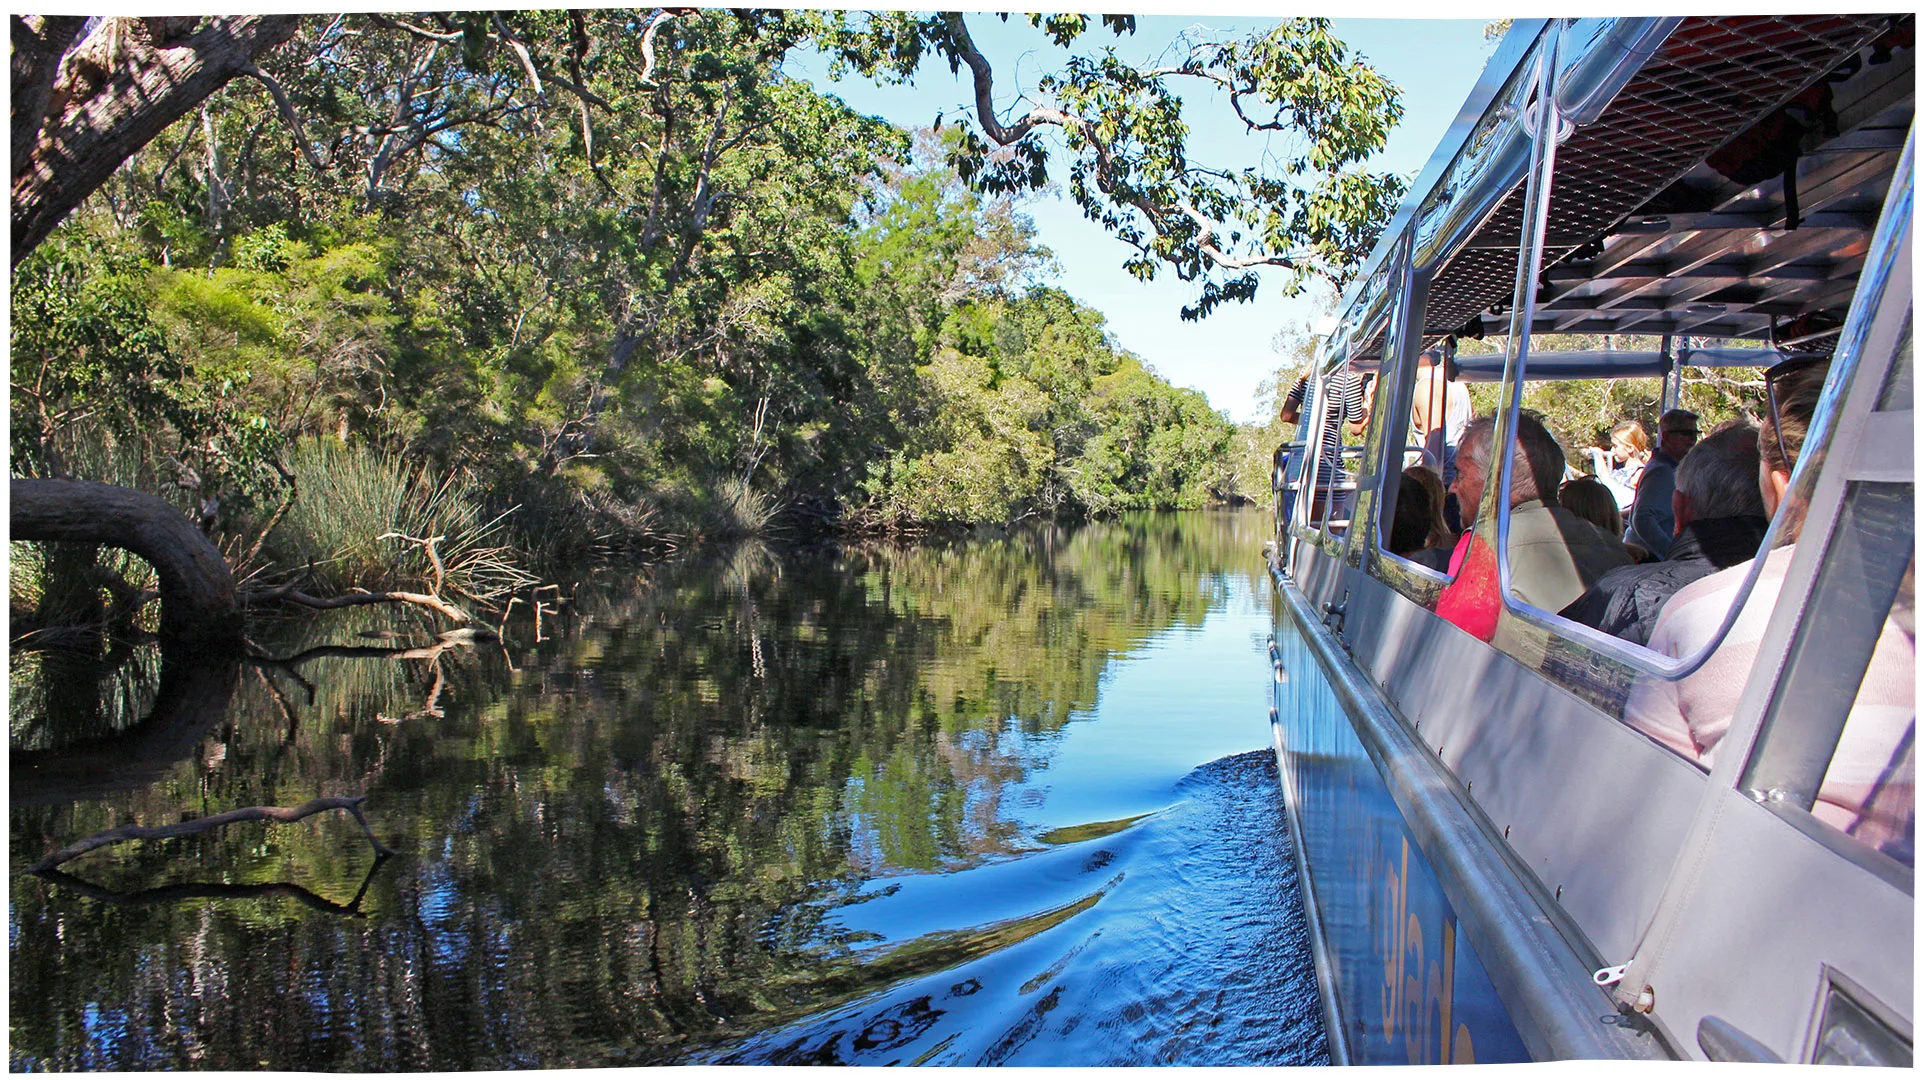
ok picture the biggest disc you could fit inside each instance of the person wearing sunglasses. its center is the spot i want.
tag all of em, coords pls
(1650, 524)
(1691, 715)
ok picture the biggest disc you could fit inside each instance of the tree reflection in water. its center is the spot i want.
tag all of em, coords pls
(618, 843)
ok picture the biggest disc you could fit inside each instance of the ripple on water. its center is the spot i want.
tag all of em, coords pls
(1176, 938)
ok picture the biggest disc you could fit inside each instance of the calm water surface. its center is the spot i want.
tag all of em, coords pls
(1001, 801)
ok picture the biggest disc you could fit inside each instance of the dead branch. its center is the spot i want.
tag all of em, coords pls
(391, 23)
(433, 556)
(288, 113)
(279, 814)
(660, 18)
(1106, 170)
(292, 595)
(519, 50)
(167, 894)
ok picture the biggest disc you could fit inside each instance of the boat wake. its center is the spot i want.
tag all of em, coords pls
(1174, 938)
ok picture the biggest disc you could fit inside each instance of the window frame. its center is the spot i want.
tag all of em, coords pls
(1867, 334)
(1458, 210)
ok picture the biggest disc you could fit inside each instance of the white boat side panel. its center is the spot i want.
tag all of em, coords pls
(1597, 811)
(1740, 954)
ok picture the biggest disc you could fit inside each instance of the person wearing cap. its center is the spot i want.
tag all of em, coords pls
(1650, 525)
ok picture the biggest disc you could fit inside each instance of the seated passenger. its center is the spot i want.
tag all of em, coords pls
(1437, 551)
(1552, 555)
(1719, 521)
(1589, 498)
(1412, 518)
(1870, 775)
(1650, 522)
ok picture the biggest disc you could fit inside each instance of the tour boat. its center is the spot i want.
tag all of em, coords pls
(1498, 864)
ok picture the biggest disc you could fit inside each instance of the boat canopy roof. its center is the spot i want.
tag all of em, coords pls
(1718, 176)
(1600, 363)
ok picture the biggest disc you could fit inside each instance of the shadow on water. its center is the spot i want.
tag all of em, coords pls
(977, 801)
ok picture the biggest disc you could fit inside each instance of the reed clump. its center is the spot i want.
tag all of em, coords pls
(360, 513)
(737, 512)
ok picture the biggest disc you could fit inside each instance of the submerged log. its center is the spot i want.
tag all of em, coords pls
(199, 609)
(281, 814)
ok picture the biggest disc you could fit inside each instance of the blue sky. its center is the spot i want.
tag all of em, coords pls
(1225, 356)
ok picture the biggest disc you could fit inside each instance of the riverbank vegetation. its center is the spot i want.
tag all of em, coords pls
(544, 285)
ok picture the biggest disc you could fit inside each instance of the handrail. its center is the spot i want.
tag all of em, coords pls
(1539, 974)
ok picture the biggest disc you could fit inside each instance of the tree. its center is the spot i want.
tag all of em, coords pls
(1316, 214)
(698, 300)
(89, 93)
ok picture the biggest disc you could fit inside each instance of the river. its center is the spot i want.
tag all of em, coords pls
(1003, 800)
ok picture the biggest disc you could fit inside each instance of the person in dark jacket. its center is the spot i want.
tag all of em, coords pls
(1650, 522)
(1719, 522)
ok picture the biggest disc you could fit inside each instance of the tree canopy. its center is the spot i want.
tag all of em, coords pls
(617, 272)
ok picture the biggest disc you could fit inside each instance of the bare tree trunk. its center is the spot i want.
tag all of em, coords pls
(199, 611)
(85, 100)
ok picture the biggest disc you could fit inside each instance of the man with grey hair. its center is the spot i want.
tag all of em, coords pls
(1650, 522)
(1553, 554)
(1719, 521)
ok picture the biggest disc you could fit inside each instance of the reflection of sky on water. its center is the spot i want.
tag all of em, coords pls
(884, 788)
(1189, 696)
(1148, 915)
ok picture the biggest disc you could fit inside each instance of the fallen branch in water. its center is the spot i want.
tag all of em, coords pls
(124, 833)
(293, 595)
(167, 894)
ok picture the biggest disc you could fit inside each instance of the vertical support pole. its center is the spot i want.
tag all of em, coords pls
(1542, 117)
(1667, 371)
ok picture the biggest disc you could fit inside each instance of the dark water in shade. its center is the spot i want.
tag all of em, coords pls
(1001, 801)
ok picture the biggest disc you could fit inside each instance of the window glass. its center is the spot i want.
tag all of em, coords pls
(1418, 519)
(1897, 395)
(1335, 405)
(1838, 737)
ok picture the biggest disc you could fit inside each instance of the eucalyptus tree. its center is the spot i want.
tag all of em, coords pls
(654, 217)
(1313, 212)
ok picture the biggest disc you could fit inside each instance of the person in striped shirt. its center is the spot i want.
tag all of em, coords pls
(1346, 410)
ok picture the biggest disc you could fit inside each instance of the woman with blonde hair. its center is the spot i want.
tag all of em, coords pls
(1619, 466)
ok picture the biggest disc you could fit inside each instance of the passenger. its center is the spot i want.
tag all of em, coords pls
(1412, 518)
(1719, 520)
(1619, 466)
(1441, 410)
(1589, 498)
(1439, 537)
(1553, 555)
(1346, 409)
(1870, 776)
(1650, 524)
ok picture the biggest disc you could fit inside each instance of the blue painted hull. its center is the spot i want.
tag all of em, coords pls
(1401, 982)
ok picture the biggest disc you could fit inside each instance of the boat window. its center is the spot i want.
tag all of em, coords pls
(1332, 413)
(1837, 740)
(1418, 520)
(1897, 394)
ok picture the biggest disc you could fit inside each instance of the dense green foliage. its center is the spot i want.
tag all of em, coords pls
(1581, 412)
(617, 271)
